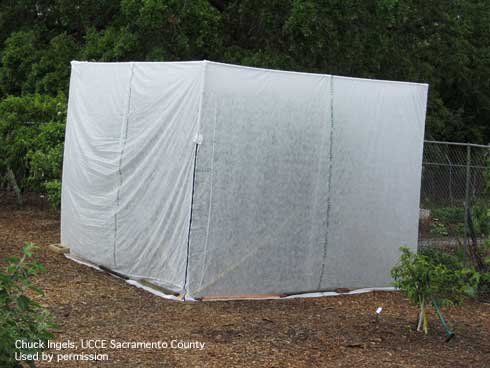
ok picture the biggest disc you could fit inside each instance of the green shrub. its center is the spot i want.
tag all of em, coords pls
(480, 215)
(21, 318)
(425, 277)
(448, 215)
(53, 189)
(438, 256)
(483, 251)
(32, 131)
(45, 157)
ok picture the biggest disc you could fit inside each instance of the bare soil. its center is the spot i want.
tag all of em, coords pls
(318, 332)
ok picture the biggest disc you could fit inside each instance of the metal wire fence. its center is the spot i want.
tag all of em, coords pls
(455, 176)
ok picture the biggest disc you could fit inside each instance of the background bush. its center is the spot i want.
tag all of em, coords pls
(443, 43)
(31, 139)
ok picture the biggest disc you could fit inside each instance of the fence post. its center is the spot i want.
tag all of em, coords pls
(467, 201)
(450, 181)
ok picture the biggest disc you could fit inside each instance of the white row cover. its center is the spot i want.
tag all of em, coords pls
(215, 179)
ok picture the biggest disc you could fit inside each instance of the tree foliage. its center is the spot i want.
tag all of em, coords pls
(434, 274)
(31, 139)
(444, 43)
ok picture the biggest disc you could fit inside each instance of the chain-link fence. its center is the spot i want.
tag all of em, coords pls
(455, 177)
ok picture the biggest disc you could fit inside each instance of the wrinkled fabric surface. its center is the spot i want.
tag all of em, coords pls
(128, 166)
(215, 179)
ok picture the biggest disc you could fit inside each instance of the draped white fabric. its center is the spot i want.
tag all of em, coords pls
(216, 179)
(127, 175)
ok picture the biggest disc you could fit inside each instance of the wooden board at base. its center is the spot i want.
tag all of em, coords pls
(59, 248)
(239, 297)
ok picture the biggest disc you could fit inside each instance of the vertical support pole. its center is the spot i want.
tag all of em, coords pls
(467, 200)
(450, 184)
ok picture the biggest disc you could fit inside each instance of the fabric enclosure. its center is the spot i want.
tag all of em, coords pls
(215, 179)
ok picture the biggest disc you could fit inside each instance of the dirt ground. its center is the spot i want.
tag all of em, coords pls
(317, 332)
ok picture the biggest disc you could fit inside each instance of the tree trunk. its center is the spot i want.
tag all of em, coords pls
(421, 315)
(14, 185)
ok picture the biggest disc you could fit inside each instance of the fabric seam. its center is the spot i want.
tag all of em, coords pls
(329, 183)
(124, 138)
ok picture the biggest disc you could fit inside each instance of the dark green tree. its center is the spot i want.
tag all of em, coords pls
(445, 43)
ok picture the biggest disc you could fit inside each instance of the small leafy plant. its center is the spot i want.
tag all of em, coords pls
(438, 229)
(21, 317)
(448, 221)
(423, 279)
